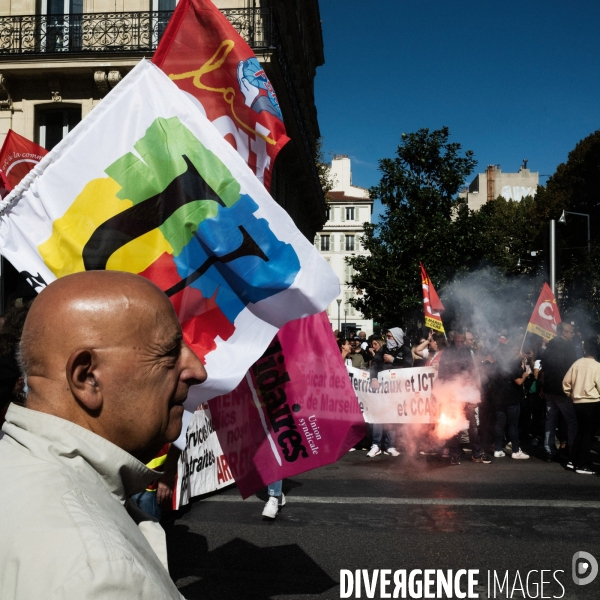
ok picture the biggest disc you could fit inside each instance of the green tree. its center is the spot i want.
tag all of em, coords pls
(575, 187)
(418, 189)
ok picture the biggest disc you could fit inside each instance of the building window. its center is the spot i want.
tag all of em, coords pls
(55, 123)
(325, 243)
(349, 309)
(349, 243)
(328, 213)
(350, 213)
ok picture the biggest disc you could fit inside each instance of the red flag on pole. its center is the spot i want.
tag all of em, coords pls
(206, 57)
(431, 303)
(17, 157)
(545, 316)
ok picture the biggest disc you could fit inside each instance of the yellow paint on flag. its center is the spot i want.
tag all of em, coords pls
(97, 203)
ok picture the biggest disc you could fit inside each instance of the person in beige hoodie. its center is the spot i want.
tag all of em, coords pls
(108, 372)
(582, 384)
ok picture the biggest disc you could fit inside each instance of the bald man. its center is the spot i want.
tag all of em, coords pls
(107, 371)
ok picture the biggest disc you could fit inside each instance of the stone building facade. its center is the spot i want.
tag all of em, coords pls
(493, 183)
(349, 208)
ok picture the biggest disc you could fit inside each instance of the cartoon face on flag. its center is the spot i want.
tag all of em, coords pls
(146, 184)
(257, 89)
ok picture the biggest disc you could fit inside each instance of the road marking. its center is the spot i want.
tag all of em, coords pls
(534, 503)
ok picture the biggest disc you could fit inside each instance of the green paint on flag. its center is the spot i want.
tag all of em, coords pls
(161, 149)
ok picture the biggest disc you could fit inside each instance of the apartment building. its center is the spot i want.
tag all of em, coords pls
(349, 209)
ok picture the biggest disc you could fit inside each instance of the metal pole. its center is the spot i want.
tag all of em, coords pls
(589, 247)
(553, 256)
(339, 302)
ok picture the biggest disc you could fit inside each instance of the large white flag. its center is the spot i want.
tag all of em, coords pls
(146, 184)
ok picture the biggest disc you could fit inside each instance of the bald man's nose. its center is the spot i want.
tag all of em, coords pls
(193, 371)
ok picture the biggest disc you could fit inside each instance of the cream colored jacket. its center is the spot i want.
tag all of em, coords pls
(68, 529)
(582, 381)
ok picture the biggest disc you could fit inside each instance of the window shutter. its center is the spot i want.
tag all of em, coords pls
(343, 209)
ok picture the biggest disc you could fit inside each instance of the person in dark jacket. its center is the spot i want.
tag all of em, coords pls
(394, 355)
(556, 361)
(457, 363)
(507, 379)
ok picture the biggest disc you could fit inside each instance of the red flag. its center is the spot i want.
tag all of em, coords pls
(295, 411)
(17, 157)
(545, 316)
(206, 57)
(431, 303)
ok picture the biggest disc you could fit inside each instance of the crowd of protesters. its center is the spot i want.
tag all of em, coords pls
(536, 396)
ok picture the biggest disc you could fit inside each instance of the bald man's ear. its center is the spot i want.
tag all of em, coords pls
(82, 380)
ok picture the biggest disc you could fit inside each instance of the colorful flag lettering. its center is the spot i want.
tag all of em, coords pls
(294, 411)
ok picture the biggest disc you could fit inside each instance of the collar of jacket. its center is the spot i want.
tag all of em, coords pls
(61, 442)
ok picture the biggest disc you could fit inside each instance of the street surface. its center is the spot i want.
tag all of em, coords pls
(392, 513)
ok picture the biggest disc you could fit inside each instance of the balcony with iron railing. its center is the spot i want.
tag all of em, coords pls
(119, 32)
(39, 37)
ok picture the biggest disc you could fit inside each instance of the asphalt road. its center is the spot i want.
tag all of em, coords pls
(519, 517)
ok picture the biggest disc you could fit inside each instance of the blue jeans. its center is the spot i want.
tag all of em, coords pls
(556, 404)
(274, 489)
(510, 414)
(378, 435)
(148, 503)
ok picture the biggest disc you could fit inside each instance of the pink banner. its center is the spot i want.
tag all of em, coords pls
(295, 411)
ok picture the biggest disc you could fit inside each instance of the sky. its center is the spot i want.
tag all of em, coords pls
(512, 80)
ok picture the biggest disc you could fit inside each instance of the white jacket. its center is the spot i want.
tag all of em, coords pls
(68, 529)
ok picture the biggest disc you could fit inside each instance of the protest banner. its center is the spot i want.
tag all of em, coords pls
(146, 184)
(403, 396)
(294, 411)
(206, 57)
(202, 466)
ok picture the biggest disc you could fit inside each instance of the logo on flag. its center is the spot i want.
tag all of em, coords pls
(431, 303)
(17, 157)
(545, 316)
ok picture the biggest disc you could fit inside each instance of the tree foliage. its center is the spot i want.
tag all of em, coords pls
(418, 189)
(423, 220)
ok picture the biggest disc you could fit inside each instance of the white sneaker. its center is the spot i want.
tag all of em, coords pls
(392, 452)
(271, 508)
(374, 451)
(520, 454)
(282, 500)
(499, 454)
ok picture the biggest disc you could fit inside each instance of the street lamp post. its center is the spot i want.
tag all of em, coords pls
(563, 220)
(339, 302)
(553, 256)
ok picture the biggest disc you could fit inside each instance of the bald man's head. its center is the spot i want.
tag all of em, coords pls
(104, 349)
